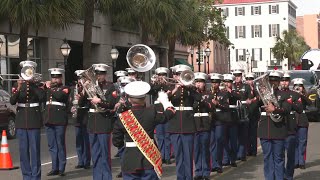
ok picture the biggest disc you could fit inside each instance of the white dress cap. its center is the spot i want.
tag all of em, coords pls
(120, 73)
(173, 68)
(126, 79)
(182, 67)
(28, 63)
(251, 75)
(56, 71)
(276, 74)
(200, 75)
(298, 81)
(237, 71)
(137, 89)
(228, 77)
(78, 72)
(161, 70)
(286, 74)
(100, 67)
(215, 76)
(130, 70)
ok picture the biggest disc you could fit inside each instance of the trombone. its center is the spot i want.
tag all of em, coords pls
(27, 73)
(186, 78)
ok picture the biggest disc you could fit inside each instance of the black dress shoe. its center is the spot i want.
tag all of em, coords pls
(78, 166)
(119, 175)
(233, 164)
(197, 178)
(167, 162)
(61, 173)
(172, 156)
(219, 170)
(302, 166)
(225, 164)
(206, 178)
(243, 159)
(296, 166)
(87, 167)
(53, 173)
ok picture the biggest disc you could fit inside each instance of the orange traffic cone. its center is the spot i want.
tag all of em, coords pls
(5, 157)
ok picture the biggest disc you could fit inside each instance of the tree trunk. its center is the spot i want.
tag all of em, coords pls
(23, 45)
(172, 47)
(87, 30)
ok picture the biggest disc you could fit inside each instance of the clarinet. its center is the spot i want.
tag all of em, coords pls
(75, 104)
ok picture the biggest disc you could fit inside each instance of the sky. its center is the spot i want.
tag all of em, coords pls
(307, 6)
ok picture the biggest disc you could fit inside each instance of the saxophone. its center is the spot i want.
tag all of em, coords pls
(75, 103)
(266, 94)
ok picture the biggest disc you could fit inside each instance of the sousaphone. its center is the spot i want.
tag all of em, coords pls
(141, 58)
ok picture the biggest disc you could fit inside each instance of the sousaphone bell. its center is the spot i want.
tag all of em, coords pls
(141, 58)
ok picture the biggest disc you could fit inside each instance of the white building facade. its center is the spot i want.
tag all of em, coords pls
(252, 27)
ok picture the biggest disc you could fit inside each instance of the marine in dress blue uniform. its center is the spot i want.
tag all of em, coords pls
(135, 165)
(302, 125)
(231, 144)
(272, 134)
(28, 95)
(202, 117)
(82, 136)
(253, 114)
(290, 142)
(243, 126)
(56, 120)
(163, 137)
(182, 126)
(100, 124)
(220, 99)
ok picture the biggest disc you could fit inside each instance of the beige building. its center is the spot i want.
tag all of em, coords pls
(308, 26)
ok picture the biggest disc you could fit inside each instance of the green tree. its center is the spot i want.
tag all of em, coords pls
(291, 46)
(38, 14)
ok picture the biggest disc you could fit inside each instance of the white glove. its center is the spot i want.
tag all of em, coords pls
(162, 97)
(166, 105)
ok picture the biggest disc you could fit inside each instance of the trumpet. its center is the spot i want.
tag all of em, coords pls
(186, 78)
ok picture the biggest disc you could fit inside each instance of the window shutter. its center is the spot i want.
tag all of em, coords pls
(252, 56)
(237, 57)
(260, 10)
(260, 54)
(236, 32)
(244, 55)
(270, 9)
(278, 29)
(269, 30)
(228, 32)
(243, 9)
(227, 12)
(236, 11)
(277, 8)
(260, 30)
(251, 10)
(252, 31)
(244, 32)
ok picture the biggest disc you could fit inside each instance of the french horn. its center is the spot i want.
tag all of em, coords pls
(141, 58)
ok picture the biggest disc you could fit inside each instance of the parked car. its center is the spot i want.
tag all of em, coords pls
(7, 114)
(311, 85)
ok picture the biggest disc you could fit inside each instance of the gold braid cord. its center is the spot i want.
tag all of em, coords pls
(143, 141)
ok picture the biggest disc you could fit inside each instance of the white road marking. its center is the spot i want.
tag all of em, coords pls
(43, 164)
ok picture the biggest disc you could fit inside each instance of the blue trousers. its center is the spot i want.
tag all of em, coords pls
(243, 130)
(273, 158)
(57, 146)
(183, 150)
(143, 175)
(163, 140)
(83, 146)
(290, 146)
(29, 147)
(301, 145)
(230, 145)
(252, 145)
(202, 153)
(216, 146)
(101, 156)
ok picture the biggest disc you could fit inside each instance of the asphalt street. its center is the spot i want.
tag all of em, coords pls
(251, 169)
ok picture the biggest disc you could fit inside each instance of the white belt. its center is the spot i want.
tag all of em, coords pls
(93, 110)
(28, 104)
(243, 102)
(83, 107)
(292, 112)
(200, 114)
(132, 144)
(55, 103)
(156, 102)
(263, 113)
(181, 108)
(233, 106)
(218, 110)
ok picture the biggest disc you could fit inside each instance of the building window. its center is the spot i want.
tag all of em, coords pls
(240, 54)
(240, 11)
(256, 31)
(227, 32)
(274, 30)
(273, 9)
(240, 32)
(257, 54)
(225, 12)
(255, 10)
(292, 11)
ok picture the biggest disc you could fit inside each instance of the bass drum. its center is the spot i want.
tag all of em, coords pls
(314, 56)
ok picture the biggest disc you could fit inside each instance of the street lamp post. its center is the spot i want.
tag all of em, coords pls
(65, 51)
(191, 54)
(30, 49)
(208, 52)
(114, 53)
(248, 57)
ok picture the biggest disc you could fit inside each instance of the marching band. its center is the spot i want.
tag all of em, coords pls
(206, 121)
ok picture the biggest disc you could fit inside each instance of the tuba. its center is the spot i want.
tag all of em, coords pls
(141, 58)
(266, 94)
(90, 85)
